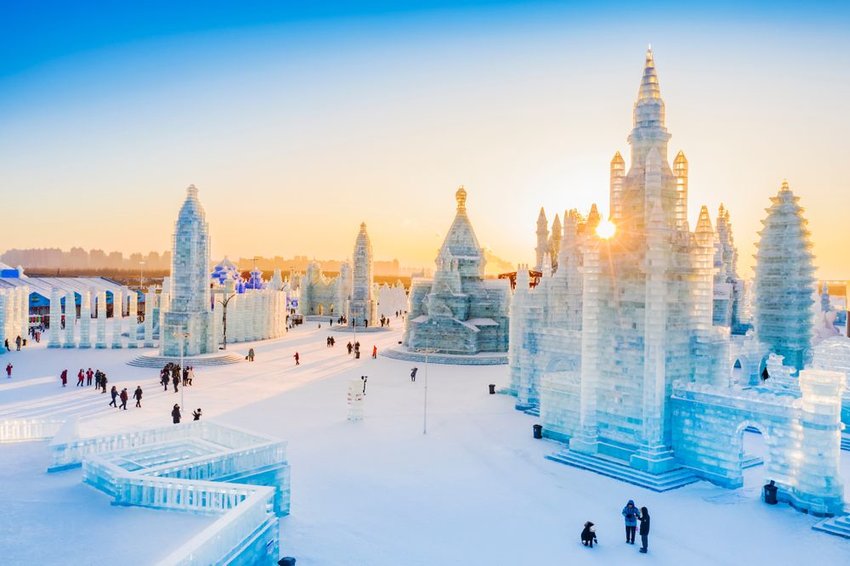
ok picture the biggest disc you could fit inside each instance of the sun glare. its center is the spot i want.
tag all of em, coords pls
(606, 229)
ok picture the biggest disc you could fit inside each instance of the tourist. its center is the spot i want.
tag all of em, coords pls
(81, 377)
(18, 343)
(196, 414)
(631, 514)
(191, 374)
(175, 414)
(9, 370)
(64, 377)
(185, 376)
(175, 379)
(137, 395)
(297, 359)
(349, 347)
(89, 375)
(588, 535)
(250, 354)
(6, 345)
(644, 529)
(103, 381)
(413, 374)
(114, 393)
(374, 352)
(164, 380)
(365, 378)
(97, 380)
(331, 321)
(124, 398)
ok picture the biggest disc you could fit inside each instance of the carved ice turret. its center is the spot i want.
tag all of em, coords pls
(362, 309)
(542, 239)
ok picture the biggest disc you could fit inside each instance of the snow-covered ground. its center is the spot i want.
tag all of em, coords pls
(475, 489)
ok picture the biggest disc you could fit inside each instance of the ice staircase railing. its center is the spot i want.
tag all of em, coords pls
(248, 511)
(25, 430)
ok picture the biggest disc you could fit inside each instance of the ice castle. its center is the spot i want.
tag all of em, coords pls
(625, 345)
(459, 312)
(187, 323)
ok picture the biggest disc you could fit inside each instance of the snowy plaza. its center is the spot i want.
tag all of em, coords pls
(476, 489)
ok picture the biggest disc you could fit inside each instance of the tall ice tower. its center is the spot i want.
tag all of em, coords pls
(362, 310)
(189, 317)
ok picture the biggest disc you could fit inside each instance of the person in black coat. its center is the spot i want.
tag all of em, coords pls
(644, 529)
(175, 413)
(114, 393)
(137, 395)
(588, 535)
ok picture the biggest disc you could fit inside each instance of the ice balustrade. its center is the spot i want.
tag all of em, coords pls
(247, 531)
(24, 430)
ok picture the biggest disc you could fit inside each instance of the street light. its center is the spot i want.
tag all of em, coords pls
(141, 275)
(223, 303)
(183, 336)
(425, 408)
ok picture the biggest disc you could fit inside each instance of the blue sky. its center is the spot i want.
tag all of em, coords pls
(299, 120)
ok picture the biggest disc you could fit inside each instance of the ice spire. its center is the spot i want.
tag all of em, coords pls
(593, 219)
(555, 242)
(648, 116)
(542, 239)
(618, 171)
(784, 282)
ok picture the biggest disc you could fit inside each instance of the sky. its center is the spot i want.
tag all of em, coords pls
(298, 121)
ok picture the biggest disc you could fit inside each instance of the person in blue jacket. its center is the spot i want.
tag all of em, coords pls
(631, 515)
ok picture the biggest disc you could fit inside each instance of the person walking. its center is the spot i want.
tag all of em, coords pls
(644, 529)
(631, 514)
(18, 343)
(64, 377)
(374, 352)
(137, 395)
(103, 381)
(250, 354)
(164, 381)
(9, 371)
(6, 345)
(413, 375)
(114, 393)
(175, 379)
(81, 377)
(196, 414)
(297, 359)
(191, 374)
(89, 375)
(97, 380)
(124, 398)
(349, 347)
(175, 414)
(365, 378)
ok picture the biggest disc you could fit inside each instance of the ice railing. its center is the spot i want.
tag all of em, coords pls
(179, 485)
(25, 430)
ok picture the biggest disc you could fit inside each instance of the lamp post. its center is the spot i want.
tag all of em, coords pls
(425, 408)
(183, 336)
(223, 303)
(141, 275)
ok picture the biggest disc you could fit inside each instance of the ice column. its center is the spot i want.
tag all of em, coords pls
(117, 318)
(150, 301)
(4, 309)
(70, 319)
(653, 455)
(85, 319)
(587, 440)
(101, 320)
(23, 310)
(819, 488)
(133, 319)
(53, 340)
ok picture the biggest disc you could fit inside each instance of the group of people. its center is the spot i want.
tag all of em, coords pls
(85, 378)
(18, 343)
(632, 517)
(176, 415)
(176, 375)
(124, 397)
(331, 341)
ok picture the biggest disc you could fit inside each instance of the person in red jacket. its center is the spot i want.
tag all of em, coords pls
(9, 370)
(81, 376)
(297, 359)
(64, 377)
(89, 375)
(124, 398)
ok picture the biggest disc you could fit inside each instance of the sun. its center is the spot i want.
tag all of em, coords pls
(606, 229)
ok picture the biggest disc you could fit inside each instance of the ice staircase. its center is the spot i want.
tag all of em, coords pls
(618, 470)
(838, 526)
(845, 441)
(219, 359)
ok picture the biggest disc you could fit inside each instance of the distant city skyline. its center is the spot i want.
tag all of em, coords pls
(297, 123)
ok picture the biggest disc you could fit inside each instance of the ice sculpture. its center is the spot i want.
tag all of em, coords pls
(53, 340)
(117, 319)
(458, 312)
(14, 307)
(784, 281)
(85, 319)
(100, 339)
(187, 324)
(631, 366)
(361, 307)
(70, 320)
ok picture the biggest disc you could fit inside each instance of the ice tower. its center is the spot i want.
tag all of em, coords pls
(362, 309)
(188, 320)
(784, 282)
